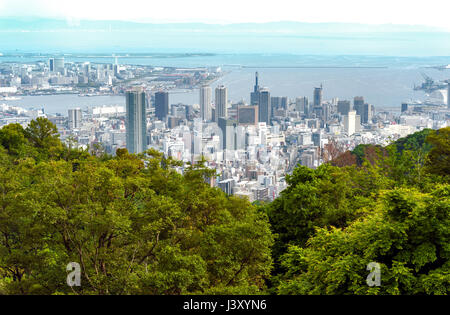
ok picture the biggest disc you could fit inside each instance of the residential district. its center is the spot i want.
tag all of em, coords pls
(251, 146)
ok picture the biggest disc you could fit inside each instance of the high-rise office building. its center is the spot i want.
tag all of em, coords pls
(205, 103)
(362, 109)
(221, 101)
(275, 101)
(343, 107)
(248, 115)
(357, 123)
(318, 110)
(318, 95)
(358, 104)
(75, 117)
(367, 114)
(284, 102)
(228, 128)
(136, 122)
(254, 96)
(264, 107)
(350, 123)
(51, 64)
(59, 65)
(87, 68)
(302, 105)
(358, 100)
(404, 107)
(161, 105)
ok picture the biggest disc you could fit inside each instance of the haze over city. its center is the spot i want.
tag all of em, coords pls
(412, 12)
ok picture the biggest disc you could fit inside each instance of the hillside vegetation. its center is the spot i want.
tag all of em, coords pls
(137, 226)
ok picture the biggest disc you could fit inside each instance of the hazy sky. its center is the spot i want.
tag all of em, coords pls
(419, 12)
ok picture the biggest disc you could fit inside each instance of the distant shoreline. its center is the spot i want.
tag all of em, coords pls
(315, 67)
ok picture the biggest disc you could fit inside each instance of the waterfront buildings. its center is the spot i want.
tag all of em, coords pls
(250, 154)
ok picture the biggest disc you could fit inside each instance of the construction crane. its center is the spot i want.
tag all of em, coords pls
(430, 85)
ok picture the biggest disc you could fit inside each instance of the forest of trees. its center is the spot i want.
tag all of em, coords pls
(137, 226)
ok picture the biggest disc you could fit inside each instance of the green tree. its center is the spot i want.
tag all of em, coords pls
(43, 135)
(133, 223)
(407, 235)
(438, 162)
(12, 138)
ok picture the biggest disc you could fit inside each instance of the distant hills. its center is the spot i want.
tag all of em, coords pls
(46, 24)
(44, 35)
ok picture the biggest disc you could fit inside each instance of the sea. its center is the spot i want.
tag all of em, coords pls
(383, 81)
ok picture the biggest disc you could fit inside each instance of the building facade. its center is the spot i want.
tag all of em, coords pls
(205, 103)
(136, 122)
(221, 101)
(161, 105)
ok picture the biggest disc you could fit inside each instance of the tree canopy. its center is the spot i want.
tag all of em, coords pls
(136, 224)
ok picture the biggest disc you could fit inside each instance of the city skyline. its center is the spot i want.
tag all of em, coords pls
(224, 153)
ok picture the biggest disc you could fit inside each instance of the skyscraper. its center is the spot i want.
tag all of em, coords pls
(350, 123)
(284, 102)
(319, 110)
(51, 64)
(74, 118)
(136, 122)
(302, 105)
(59, 65)
(275, 101)
(221, 103)
(343, 107)
(248, 115)
(404, 107)
(228, 128)
(362, 109)
(358, 105)
(318, 94)
(264, 107)
(254, 96)
(366, 117)
(161, 105)
(205, 103)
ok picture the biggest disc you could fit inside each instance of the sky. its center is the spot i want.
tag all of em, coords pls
(434, 13)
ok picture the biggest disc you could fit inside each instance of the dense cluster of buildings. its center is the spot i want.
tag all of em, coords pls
(56, 75)
(251, 146)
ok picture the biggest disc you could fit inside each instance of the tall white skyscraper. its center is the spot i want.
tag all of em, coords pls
(59, 64)
(221, 103)
(205, 103)
(350, 122)
(74, 118)
(136, 122)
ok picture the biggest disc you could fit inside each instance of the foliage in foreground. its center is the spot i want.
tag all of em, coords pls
(138, 226)
(393, 209)
(133, 223)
